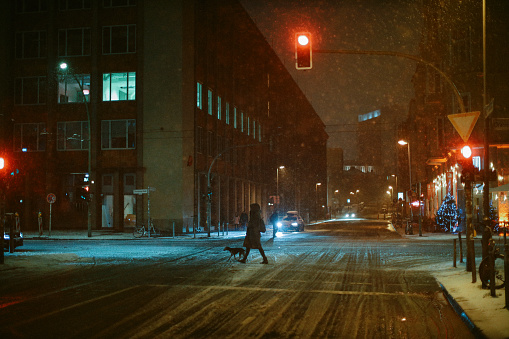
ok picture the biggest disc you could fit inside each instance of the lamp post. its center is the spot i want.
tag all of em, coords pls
(407, 143)
(316, 199)
(277, 185)
(396, 186)
(392, 192)
(64, 68)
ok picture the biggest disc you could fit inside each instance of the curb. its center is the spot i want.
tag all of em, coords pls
(476, 331)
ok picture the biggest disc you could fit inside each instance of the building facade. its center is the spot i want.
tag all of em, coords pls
(183, 99)
(452, 41)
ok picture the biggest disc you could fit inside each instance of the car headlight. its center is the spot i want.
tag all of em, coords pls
(353, 215)
(279, 224)
(347, 215)
(294, 224)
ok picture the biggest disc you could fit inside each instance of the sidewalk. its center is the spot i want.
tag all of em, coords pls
(485, 315)
(125, 235)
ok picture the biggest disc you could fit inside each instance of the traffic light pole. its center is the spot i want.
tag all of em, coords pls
(470, 229)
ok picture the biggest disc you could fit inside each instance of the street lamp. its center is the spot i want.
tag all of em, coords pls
(396, 186)
(64, 67)
(403, 142)
(316, 199)
(277, 184)
(392, 192)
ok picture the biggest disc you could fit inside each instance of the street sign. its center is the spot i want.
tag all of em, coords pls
(51, 198)
(464, 123)
(144, 190)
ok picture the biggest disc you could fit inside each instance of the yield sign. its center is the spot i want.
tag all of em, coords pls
(464, 123)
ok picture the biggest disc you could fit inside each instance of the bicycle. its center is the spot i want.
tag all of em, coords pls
(141, 231)
(485, 269)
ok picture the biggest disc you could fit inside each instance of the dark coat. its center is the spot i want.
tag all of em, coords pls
(254, 227)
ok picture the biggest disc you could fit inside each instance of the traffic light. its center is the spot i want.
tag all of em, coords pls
(2, 163)
(303, 51)
(467, 166)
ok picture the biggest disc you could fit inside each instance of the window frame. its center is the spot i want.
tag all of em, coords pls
(40, 142)
(128, 124)
(113, 40)
(128, 74)
(62, 139)
(21, 42)
(41, 90)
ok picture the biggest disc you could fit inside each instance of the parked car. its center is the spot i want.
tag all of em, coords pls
(18, 235)
(292, 221)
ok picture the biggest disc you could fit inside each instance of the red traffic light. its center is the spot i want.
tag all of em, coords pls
(303, 51)
(466, 151)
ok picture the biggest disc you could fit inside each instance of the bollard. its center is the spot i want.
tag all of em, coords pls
(472, 260)
(39, 222)
(454, 256)
(491, 250)
(461, 247)
(227, 226)
(11, 237)
(174, 229)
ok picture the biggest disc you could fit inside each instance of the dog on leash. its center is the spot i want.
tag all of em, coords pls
(234, 251)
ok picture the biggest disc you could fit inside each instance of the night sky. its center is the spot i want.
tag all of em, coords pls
(342, 86)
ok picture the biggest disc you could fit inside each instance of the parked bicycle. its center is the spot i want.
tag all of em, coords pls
(140, 231)
(485, 268)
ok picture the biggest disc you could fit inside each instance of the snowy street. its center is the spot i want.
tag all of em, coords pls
(354, 279)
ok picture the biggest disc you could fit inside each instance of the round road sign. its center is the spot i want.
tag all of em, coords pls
(51, 198)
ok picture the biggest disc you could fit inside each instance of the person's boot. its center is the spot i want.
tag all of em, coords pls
(243, 260)
(265, 261)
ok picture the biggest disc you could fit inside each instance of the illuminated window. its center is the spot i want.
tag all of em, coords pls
(69, 90)
(199, 88)
(118, 134)
(248, 128)
(219, 108)
(72, 135)
(477, 162)
(30, 91)
(30, 137)
(74, 42)
(119, 39)
(227, 113)
(259, 132)
(31, 45)
(119, 86)
(242, 121)
(234, 117)
(209, 102)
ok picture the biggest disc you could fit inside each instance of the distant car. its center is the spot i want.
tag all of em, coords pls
(292, 221)
(18, 235)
